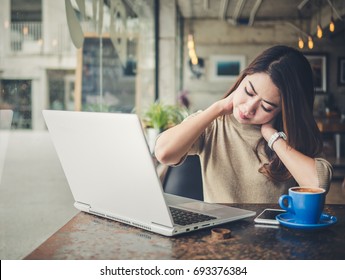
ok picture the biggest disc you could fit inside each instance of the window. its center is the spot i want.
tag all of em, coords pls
(105, 73)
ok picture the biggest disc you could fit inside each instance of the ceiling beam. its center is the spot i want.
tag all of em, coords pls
(253, 12)
(206, 5)
(223, 7)
(302, 4)
(334, 10)
(238, 9)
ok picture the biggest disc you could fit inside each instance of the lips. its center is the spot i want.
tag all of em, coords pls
(242, 116)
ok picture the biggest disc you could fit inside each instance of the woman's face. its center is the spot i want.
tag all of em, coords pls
(256, 100)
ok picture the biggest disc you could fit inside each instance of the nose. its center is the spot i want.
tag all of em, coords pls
(251, 106)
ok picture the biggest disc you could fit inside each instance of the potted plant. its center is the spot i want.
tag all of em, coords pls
(159, 117)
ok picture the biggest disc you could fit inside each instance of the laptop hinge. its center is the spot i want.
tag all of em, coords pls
(82, 206)
(161, 225)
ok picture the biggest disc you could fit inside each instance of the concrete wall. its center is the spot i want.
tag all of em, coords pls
(214, 37)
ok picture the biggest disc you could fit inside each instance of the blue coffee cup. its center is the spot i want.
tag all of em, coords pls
(304, 204)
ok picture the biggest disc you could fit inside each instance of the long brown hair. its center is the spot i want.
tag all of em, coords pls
(291, 73)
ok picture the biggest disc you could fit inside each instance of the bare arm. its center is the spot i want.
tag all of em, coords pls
(175, 142)
(301, 167)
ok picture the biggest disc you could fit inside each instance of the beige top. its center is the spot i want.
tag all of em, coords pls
(230, 167)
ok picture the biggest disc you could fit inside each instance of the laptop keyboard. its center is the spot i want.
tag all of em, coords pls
(184, 217)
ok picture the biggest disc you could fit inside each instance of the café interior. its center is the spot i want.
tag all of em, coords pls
(129, 56)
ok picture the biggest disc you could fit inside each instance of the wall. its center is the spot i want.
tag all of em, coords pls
(214, 37)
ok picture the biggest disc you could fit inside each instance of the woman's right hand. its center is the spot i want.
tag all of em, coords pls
(227, 105)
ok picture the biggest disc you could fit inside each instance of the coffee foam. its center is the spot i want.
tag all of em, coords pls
(307, 190)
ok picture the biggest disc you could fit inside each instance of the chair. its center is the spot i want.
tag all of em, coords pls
(185, 180)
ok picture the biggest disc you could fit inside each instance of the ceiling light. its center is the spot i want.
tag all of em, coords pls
(25, 30)
(191, 50)
(319, 28)
(319, 31)
(331, 25)
(300, 43)
(310, 42)
(195, 60)
(190, 43)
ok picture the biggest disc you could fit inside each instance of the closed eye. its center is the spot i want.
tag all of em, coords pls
(263, 107)
(266, 110)
(247, 92)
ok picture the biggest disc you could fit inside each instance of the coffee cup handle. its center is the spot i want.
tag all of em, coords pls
(288, 206)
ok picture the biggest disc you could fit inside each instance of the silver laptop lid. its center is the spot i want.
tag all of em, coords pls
(108, 165)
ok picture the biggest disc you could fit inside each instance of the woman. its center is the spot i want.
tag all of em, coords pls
(260, 139)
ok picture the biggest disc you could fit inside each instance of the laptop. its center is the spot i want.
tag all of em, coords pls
(5, 128)
(111, 173)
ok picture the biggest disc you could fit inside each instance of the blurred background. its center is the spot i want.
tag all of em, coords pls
(124, 56)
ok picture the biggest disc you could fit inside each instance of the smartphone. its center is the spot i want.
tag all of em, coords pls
(268, 216)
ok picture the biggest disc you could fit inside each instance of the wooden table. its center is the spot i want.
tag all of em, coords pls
(90, 237)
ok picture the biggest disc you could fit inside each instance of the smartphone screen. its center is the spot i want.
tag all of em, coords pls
(268, 216)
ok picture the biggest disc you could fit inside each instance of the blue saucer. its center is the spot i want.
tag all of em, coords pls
(286, 219)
